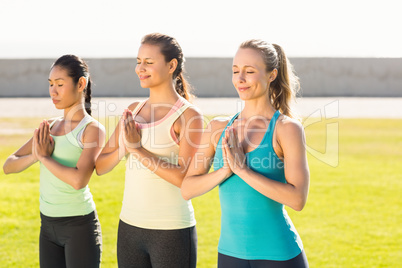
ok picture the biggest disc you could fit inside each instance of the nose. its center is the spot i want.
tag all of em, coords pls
(52, 91)
(241, 76)
(139, 67)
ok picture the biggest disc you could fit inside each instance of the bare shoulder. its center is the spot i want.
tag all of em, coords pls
(53, 119)
(288, 127)
(192, 112)
(96, 126)
(93, 132)
(132, 106)
(219, 122)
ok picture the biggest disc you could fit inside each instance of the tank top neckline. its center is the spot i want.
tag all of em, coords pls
(79, 125)
(179, 104)
(267, 131)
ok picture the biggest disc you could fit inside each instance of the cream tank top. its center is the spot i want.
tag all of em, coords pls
(149, 201)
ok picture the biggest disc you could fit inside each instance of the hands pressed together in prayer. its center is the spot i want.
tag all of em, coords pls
(233, 152)
(130, 136)
(42, 142)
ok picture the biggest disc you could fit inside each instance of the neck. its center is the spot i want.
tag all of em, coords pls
(165, 94)
(257, 107)
(75, 112)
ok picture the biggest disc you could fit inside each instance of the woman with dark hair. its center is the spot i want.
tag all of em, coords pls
(67, 148)
(159, 136)
(260, 164)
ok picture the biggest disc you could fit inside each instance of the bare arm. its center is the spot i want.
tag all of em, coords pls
(114, 150)
(21, 159)
(78, 176)
(290, 137)
(198, 181)
(111, 154)
(190, 133)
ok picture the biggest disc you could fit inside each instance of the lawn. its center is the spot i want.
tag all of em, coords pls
(351, 218)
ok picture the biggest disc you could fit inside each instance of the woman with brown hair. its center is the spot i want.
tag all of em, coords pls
(160, 137)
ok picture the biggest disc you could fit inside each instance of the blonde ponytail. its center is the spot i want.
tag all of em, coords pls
(284, 88)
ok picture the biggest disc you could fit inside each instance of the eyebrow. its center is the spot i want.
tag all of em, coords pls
(144, 58)
(55, 79)
(246, 66)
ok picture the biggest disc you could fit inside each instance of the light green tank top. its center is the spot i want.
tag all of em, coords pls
(57, 198)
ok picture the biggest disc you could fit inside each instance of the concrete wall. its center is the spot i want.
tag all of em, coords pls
(211, 77)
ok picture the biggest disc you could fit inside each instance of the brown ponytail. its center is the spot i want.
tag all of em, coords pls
(286, 85)
(171, 49)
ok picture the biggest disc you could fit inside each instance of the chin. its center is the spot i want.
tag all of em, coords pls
(243, 95)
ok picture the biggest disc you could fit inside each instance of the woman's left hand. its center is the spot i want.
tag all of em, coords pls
(43, 143)
(234, 151)
(131, 131)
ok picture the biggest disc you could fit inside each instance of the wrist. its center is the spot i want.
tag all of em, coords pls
(243, 171)
(133, 150)
(226, 172)
(42, 158)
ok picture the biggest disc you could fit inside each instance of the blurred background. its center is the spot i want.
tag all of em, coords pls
(338, 48)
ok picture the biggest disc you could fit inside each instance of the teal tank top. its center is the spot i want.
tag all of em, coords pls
(57, 198)
(254, 226)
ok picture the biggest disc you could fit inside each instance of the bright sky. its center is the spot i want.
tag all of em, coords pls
(205, 28)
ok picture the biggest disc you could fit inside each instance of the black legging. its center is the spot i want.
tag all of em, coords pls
(224, 261)
(70, 241)
(143, 248)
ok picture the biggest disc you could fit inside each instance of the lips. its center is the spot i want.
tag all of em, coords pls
(242, 88)
(55, 101)
(143, 77)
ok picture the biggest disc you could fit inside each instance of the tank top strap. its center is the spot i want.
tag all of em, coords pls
(138, 107)
(223, 132)
(82, 124)
(232, 120)
(177, 110)
(271, 126)
(54, 121)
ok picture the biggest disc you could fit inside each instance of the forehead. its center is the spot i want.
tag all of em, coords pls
(149, 51)
(58, 72)
(248, 56)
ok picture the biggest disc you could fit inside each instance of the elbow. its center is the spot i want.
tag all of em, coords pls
(99, 172)
(6, 168)
(185, 196)
(79, 183)
(185, 192)
(78, 186)
(299, 204)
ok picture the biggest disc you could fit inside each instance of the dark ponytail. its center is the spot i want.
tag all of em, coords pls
(77, 68)
(171, 49)
(286, 84)
(88, 96)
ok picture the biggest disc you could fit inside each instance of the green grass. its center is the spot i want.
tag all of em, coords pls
(351, 218)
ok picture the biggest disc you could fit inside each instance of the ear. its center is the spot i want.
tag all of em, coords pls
(82, 83)
(273, 75)
(172, 65)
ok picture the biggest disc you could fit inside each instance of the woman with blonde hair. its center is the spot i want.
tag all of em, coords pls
(260, 164)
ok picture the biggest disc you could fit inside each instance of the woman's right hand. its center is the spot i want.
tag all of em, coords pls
(43, 143)
(130, 131)
(225, 156)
